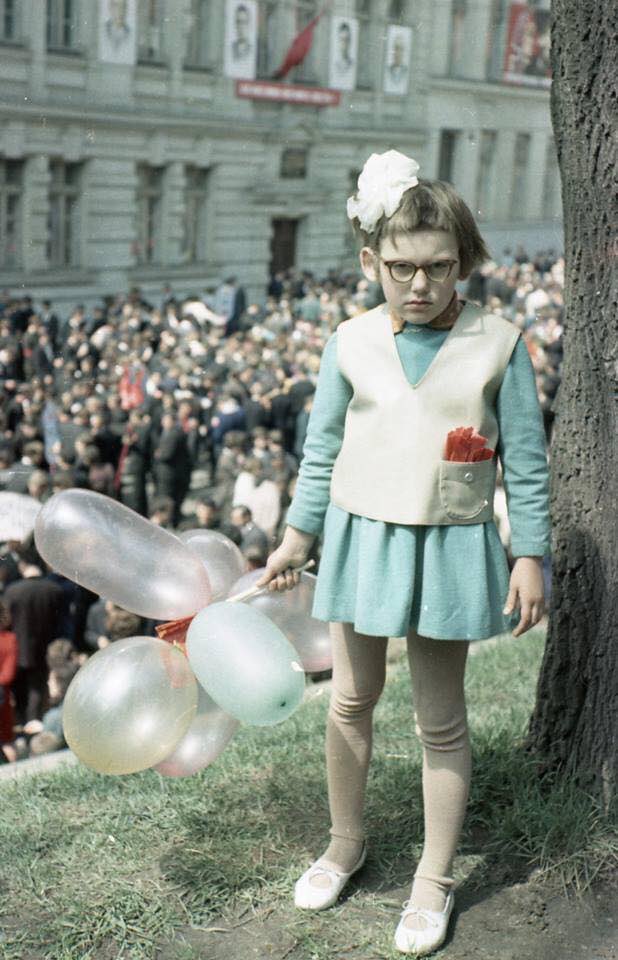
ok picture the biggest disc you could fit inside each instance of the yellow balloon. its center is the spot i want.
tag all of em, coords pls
(129, 705)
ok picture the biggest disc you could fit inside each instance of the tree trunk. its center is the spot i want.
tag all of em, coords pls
(574, 724)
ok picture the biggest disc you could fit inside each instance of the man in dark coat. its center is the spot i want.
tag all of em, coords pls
(133, 464)
(36, 606)
(172, 464)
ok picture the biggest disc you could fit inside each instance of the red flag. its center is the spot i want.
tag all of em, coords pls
(299, 48)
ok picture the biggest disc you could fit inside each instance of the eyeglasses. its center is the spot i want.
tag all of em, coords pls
(402, 271)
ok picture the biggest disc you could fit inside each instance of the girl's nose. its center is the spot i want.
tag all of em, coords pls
(420, 281)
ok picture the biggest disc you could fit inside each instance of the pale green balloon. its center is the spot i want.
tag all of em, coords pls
(245, 663)
(129, 705)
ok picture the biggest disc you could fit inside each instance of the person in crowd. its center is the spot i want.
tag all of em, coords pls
(205, 517)
(107, 622)
(172, 464)
(133, 463)
(8, 668)
(251, 535)
(36, 607)
(163, 512)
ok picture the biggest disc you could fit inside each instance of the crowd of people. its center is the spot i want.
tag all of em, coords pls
(193, 412)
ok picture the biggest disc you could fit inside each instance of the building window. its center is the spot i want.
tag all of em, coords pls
(446, 157)
(61, 24)
(456, 45)
(63, 215)
(397, 11)
(198, 35)
(293, 164)
(306, 11)
(485, 173)
(149, 213)
(149, 31)
(266, 38)
(194, 239)
(551, 182)
(520, 176)
(11, 178)
(367, 52)
(8, 21)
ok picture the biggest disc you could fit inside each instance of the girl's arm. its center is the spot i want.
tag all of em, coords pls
(322, 444)
(523, 456)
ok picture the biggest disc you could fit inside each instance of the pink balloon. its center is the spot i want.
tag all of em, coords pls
(205, 740)
(291, 611)
(113, 551)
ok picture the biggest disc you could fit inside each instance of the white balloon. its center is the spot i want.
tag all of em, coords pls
(222, 559)
(113, 551)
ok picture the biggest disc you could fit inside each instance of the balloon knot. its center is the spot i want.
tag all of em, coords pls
(175, 632)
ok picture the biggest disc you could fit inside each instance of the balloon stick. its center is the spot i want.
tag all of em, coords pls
(253, 591)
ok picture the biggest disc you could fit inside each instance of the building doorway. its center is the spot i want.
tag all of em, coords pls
(283, 245)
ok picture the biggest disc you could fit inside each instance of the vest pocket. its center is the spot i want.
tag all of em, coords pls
(466, 489)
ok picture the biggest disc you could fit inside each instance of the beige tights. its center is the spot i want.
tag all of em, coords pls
(437, 670)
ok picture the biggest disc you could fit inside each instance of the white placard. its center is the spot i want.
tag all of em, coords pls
(397, 61)
(343, 53)
(241, 39)
(118, 31)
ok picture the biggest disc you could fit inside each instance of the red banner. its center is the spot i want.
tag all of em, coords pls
(526, 59)
(287, 93)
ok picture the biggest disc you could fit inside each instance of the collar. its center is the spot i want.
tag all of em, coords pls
(444, 321)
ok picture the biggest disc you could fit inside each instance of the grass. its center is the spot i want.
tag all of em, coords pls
(108, 867)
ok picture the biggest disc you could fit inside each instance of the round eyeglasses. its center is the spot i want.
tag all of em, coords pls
(402, 271)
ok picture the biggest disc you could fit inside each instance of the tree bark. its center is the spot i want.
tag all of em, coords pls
(574, 724)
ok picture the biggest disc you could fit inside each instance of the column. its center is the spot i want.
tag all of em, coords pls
(438, 20)
(476, 33)
(35, 214)
(535, 175)
(34, 28)
(505, 152)
(175, 19)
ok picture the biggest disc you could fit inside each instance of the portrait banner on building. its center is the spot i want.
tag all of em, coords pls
(240, 57)
(343, 53)
(397, 60)
(526, 59)
(118, 31)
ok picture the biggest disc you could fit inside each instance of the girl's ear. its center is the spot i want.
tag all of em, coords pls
(369, 264)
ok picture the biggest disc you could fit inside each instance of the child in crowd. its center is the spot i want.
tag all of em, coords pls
(8, 668)
(410, 544)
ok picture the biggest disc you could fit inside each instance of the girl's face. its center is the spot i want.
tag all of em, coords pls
(419, 300)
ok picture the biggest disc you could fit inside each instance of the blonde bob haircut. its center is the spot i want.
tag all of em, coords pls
(433, 205)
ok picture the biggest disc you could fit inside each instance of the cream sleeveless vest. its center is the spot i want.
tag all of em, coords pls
(390, 466)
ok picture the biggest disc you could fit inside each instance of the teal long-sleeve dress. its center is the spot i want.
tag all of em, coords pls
(447, 582)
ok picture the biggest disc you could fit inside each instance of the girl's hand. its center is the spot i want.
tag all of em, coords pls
(293, 552)
(526, 591)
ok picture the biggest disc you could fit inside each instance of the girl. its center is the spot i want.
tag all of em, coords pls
(410, 546)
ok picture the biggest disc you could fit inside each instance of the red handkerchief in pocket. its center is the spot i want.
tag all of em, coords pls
(465, 445)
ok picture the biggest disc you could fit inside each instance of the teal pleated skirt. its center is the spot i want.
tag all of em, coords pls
(446, 582)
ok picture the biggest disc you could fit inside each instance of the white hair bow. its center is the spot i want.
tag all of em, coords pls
(383, 181)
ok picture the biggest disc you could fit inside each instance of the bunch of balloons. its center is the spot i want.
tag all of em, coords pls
(142, 702)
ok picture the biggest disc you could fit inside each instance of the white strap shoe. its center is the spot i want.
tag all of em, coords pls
(421, 942)
(308, 896)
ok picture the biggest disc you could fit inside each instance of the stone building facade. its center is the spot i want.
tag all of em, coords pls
(115, 175)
